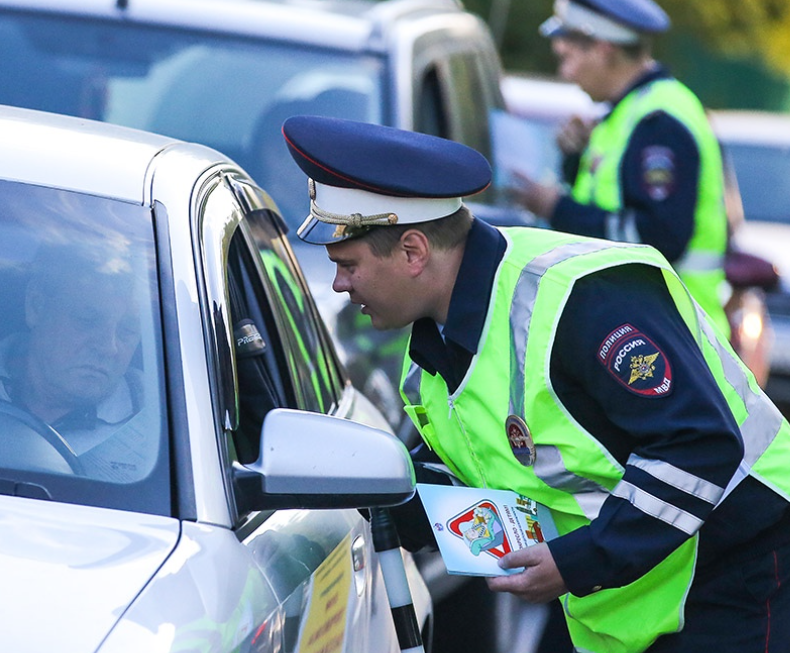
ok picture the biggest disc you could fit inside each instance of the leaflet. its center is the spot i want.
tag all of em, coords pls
(476, 527)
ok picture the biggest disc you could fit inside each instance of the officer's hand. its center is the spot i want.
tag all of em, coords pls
(540, 582)
(574, 135)
(538, 198)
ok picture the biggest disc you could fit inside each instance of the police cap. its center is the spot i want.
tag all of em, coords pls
(616, 21)
(363, 175)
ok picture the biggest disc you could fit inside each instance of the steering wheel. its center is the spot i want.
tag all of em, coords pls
(52, 437)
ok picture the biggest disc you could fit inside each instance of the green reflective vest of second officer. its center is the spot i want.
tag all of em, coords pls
(702, 265)
(571, 474)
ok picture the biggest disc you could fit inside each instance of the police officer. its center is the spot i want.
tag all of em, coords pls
(651, 170)
(575, 371)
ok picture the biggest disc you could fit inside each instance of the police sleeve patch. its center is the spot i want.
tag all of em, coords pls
(636, 362)
(658, 172)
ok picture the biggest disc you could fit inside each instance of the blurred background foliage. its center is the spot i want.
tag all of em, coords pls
(733, 53)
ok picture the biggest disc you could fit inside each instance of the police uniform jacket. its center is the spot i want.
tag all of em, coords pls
(690, 427)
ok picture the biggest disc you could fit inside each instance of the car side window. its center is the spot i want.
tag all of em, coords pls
(259, 383)
(81, 383)
(467, 83)
(430, 110)
(309, 352)
(272, 348)
(453, 98)
(250, 374)
(273, 333)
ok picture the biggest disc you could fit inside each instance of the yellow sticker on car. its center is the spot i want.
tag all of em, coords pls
(324, 628)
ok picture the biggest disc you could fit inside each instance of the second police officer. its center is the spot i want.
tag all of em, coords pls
(651, 169)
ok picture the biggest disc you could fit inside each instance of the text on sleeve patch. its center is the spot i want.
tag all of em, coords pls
(636, 362)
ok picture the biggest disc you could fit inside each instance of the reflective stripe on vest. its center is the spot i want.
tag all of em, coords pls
(548, 466)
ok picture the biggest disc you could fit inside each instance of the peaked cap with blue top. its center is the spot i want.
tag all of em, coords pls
(363, 175)
(616, 21)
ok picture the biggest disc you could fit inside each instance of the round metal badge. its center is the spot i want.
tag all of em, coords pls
(520, 440)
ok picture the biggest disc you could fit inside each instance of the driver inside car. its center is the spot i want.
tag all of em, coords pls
(67, 377)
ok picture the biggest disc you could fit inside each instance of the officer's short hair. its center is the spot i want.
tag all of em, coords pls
(443, 234)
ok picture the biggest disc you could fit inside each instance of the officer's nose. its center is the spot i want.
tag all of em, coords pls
(341, 283)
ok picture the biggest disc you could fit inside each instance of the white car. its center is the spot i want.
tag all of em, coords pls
(181, 454)
(757, 145)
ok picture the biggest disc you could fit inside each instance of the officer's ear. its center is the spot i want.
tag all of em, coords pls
(416, 249)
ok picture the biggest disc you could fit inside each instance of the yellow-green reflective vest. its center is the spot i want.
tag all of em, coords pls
(572, 474)
(702, 265)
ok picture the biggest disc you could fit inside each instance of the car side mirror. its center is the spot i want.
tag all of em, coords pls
(312, 460)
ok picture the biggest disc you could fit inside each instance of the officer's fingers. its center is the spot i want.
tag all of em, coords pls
(512, 584)
(526, 557)
(574, 134)
(540, 580)
(524, 585)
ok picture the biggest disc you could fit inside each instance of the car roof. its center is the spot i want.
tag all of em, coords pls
(77, 154)
(753, 127)
(351, 25)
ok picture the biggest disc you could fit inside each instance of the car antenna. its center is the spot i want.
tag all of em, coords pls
(122, 4)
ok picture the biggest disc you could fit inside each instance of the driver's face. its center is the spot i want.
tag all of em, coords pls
(82, 340)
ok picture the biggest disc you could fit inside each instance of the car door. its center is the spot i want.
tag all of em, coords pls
(271, 350)
(454, 79)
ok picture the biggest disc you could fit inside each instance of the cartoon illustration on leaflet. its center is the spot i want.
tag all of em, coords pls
(481, 529)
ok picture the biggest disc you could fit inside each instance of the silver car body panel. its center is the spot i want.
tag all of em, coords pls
(61, 562)
(29, 136)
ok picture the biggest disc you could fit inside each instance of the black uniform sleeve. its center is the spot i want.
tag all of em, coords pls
(628, 370)
(659, 175)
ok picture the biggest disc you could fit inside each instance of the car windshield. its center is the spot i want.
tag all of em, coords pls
(763, 174)
(81, 399)
(230, 93)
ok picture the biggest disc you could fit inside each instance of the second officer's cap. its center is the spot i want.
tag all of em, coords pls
(363, 175)
(616, 21)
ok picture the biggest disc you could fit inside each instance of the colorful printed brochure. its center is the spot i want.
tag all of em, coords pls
(475, 527)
